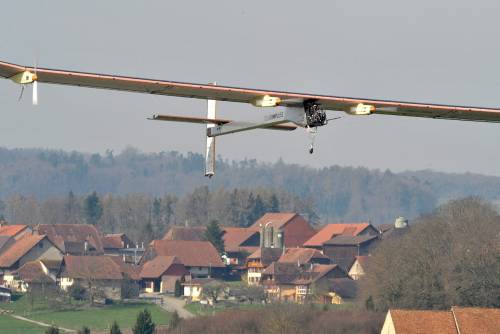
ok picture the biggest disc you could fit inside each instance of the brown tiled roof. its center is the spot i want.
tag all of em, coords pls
(363, 260)
(472, 320)
(33, 272)
(195, 233)
(4, 239)
(234, 237)
(419, 322)
(114, 241)
(330, 230)
(91, 267)
(132, 271)
(12, 230)
(302, 256)
(266, 255)
(276, 219)
(344, 287)
(157, 266)
(18, 249)
(283, 273)
(190, 253)
(385, 227)
(348, 240)
(72, 233)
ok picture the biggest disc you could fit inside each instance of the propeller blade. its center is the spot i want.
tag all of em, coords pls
(21, 95)
(35, 93)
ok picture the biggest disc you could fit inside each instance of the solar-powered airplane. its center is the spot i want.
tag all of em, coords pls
(300, 110)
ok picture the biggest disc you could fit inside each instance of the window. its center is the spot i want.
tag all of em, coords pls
(40, 244)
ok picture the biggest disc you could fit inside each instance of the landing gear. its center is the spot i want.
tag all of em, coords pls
(311, 132)
(315, 116)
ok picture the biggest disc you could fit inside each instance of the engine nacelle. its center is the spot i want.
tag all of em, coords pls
(266, 101)
(362, 109)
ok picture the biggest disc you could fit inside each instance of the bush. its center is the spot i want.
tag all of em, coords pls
(130, 288)
(178, 289)
(52, 330)
(84, 330)
(77, 292)
(115, 329)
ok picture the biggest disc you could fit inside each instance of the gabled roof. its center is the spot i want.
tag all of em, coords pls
(190, 253)
(72, 234)
(18, 249)
(157, 266)
(349, 240)
(344, 287)
(235, 237)
(12, 230)
(116, 241)
(91, 267)
(131, 270)
(266, 255)
(416, 322)
(4, 239)
(194, 233)
(471, 320)
(331, 230)
(302, 256)
(34, 272)
(276, 219)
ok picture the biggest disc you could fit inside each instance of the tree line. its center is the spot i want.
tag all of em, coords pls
(338, 193)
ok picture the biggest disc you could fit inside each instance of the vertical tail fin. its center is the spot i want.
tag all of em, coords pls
(210, 152)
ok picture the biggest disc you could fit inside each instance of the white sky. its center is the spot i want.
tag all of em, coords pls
(426, 51)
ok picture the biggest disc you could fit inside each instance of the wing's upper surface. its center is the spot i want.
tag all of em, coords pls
(244, 95)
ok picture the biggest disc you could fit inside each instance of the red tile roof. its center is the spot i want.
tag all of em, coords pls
(195, 233)
(157, 266)
(18, 249)
(350, 240)
(266, 255)
(330, 230)
(116, 241)
(418, 322)
(131, 270)
(60, 234)
(302, 256)
(472, 320)
(234, 237)
(277, 219)
(12, 230)
(91, 267)
(33, 272)
(190, 253)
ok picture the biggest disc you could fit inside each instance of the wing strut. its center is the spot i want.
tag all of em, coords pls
(210, 150)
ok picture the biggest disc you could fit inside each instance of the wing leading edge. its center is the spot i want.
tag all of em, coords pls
(245, 95)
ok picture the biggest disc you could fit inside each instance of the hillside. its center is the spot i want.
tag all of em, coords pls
(336, 193)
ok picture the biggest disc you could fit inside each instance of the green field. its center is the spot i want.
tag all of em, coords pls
(14, 326)
(80, 315)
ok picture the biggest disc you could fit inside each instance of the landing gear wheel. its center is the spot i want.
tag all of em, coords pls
(312, 134)
(311, 150)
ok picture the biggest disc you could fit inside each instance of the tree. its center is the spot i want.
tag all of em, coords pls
(115, 329)
(274, 203)
(213, 290)
(214, 235)
(52, 330)
(84, 330)
(129, 288)
(93, 208)
(178, 288)
(448, 258)
(175, 320)
(144, 323)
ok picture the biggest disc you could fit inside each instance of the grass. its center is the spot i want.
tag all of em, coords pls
(79, 315)
(14, 326)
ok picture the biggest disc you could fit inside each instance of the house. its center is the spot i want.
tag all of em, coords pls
(30, 247)
(195, 233)
(160, 274)
(193, 289)
(73, 239)
(34, 274)
(340, 290)
(98, 274)
(304, 256)
(200, 258)
(459, 320)
(331, 230)
(239, 242)
(260, 260)
(295, 228)
(343, 249)
(113, 243)
(358, 267)
(289, 282)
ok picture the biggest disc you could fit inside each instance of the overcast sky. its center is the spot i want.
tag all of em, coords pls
(425, 51)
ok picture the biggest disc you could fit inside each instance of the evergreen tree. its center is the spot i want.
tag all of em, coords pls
(115, 329)
(274, 203)
(214, 235)
(93, 208)
(174, 321)
(52, 330)
(144, 323)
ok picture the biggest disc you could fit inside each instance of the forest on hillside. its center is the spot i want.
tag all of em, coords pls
(330, 194)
